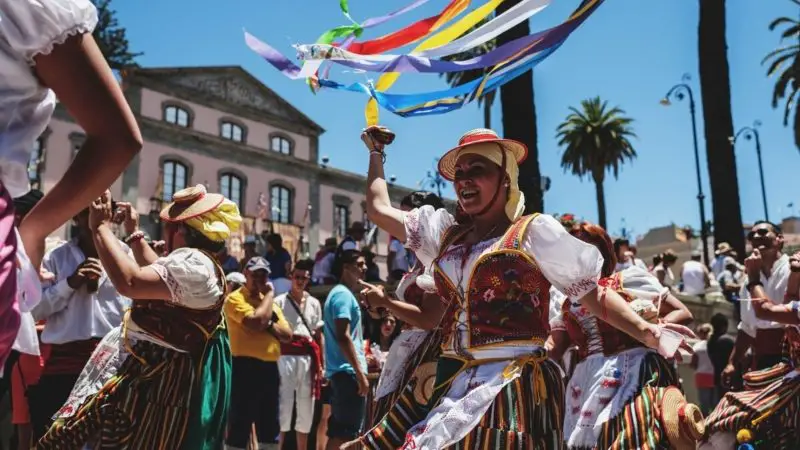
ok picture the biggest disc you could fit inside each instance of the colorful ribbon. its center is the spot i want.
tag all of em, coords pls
(443, 37)
(488, 31)
(439, 102)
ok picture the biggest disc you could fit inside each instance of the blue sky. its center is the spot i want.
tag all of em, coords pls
(630, 52)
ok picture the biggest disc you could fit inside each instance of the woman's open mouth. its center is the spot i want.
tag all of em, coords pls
(467, 194)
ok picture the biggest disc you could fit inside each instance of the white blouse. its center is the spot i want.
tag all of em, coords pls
(191, 277)
(29, 28)
(569, 264)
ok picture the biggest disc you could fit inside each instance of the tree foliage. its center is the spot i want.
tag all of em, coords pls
(785, 62)
(112, 38)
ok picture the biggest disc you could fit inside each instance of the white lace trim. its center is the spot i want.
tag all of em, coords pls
(172, 284)
(87, 26)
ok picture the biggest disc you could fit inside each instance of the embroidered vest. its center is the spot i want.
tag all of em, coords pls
(184, 328)
(592, 335)
(508, 296)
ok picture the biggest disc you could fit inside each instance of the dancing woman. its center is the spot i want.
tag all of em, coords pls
(47, 50)
(766, 415)
(163, 377)
(493, 269)
(613, 397)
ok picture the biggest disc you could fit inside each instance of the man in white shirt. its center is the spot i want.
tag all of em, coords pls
(695, 276)
(300, 364)
(80, 305)
(768, 273)
(323, 264)
(397, 259)
(724, 250)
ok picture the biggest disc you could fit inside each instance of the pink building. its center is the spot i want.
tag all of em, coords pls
(222, 127)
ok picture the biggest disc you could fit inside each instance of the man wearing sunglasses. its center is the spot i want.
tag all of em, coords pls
(768, 271)
(300, 364)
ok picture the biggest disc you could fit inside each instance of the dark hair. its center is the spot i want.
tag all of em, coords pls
(720, 323)
(618, 243)
(275, 241)
(304, 264)
(633, 249)
(669, 256)
(418, 199)
(198, 240)
(656, 260)
(345, 257)
(775, 228)
(376, 325)
(597, 236)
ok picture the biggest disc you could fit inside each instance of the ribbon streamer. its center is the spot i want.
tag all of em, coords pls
(488, 31)
(439, 102)
(443, 37)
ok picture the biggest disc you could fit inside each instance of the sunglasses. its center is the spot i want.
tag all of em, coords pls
(761, 232)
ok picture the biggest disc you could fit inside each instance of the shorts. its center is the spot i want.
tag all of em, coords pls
(347, 407)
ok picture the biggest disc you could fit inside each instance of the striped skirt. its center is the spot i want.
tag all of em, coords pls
(638, 426)
(150, 403)
(771, 412)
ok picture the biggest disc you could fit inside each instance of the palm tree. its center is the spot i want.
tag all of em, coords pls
(455, 79)
(786, 61)
(596, 139)
(716, 96)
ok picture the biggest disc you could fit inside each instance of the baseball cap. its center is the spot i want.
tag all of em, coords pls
(235, 277)
(257, 263)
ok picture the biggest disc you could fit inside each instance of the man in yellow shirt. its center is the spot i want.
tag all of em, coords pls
(256, 327)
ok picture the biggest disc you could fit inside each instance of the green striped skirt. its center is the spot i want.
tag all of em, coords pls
(160, 399)
(771, 412)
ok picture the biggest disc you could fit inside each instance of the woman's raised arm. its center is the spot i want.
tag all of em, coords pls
(379, 205)
(79, 75)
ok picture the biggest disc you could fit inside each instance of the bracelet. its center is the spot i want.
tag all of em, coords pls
(753, 284)
(135, 236)
(378, 152)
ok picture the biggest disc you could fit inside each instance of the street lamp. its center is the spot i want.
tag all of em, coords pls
(751, 133)
(155, 216)
(679, 92)
(434, 179)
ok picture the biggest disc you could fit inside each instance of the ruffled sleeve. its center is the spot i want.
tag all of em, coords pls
(424, 229)
(556, 315)
(34, 27)
(190, 277)
(571, 265)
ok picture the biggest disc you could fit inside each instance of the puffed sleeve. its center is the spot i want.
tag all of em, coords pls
(643, 285)
(33, 27)
(424, 229)
(556, 315)
(190, 276)
(571, 265)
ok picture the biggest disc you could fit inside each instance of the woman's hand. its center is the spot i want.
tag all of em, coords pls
(127, 215)
(650, 334)
(372, 295)
(376, 138)
(100, 211)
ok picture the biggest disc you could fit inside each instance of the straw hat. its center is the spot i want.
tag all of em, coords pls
(447, 164)
(189, 203)
(683, 422)
(426, 379)
(723, 248)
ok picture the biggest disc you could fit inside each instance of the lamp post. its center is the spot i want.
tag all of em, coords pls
(680, 92)
(751, 133)
(155, 218)
(434, 180)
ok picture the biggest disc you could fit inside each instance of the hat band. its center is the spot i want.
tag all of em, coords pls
(478, 137)
(683, 423)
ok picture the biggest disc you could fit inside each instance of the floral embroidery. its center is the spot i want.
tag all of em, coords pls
(579, 288)
(413, 232)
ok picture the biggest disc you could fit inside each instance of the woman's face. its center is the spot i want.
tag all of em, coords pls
(475, 183)
(387, 326)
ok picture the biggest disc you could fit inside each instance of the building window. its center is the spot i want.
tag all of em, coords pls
(232, 132)
(280, 201)
(176, 115)
(281, 145)
(232, 187)
(35, 164)
(174, 178)
(341, 220)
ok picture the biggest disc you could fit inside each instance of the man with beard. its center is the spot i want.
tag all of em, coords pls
(767, 277)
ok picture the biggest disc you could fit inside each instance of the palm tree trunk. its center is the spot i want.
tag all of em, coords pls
(716, 96)
(600, 193)
(487, 115)
(519, 119)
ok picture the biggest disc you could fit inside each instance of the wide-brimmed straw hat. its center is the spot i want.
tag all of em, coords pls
(447, 164)
(190, 203)
(723, 248)
(683, 422)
